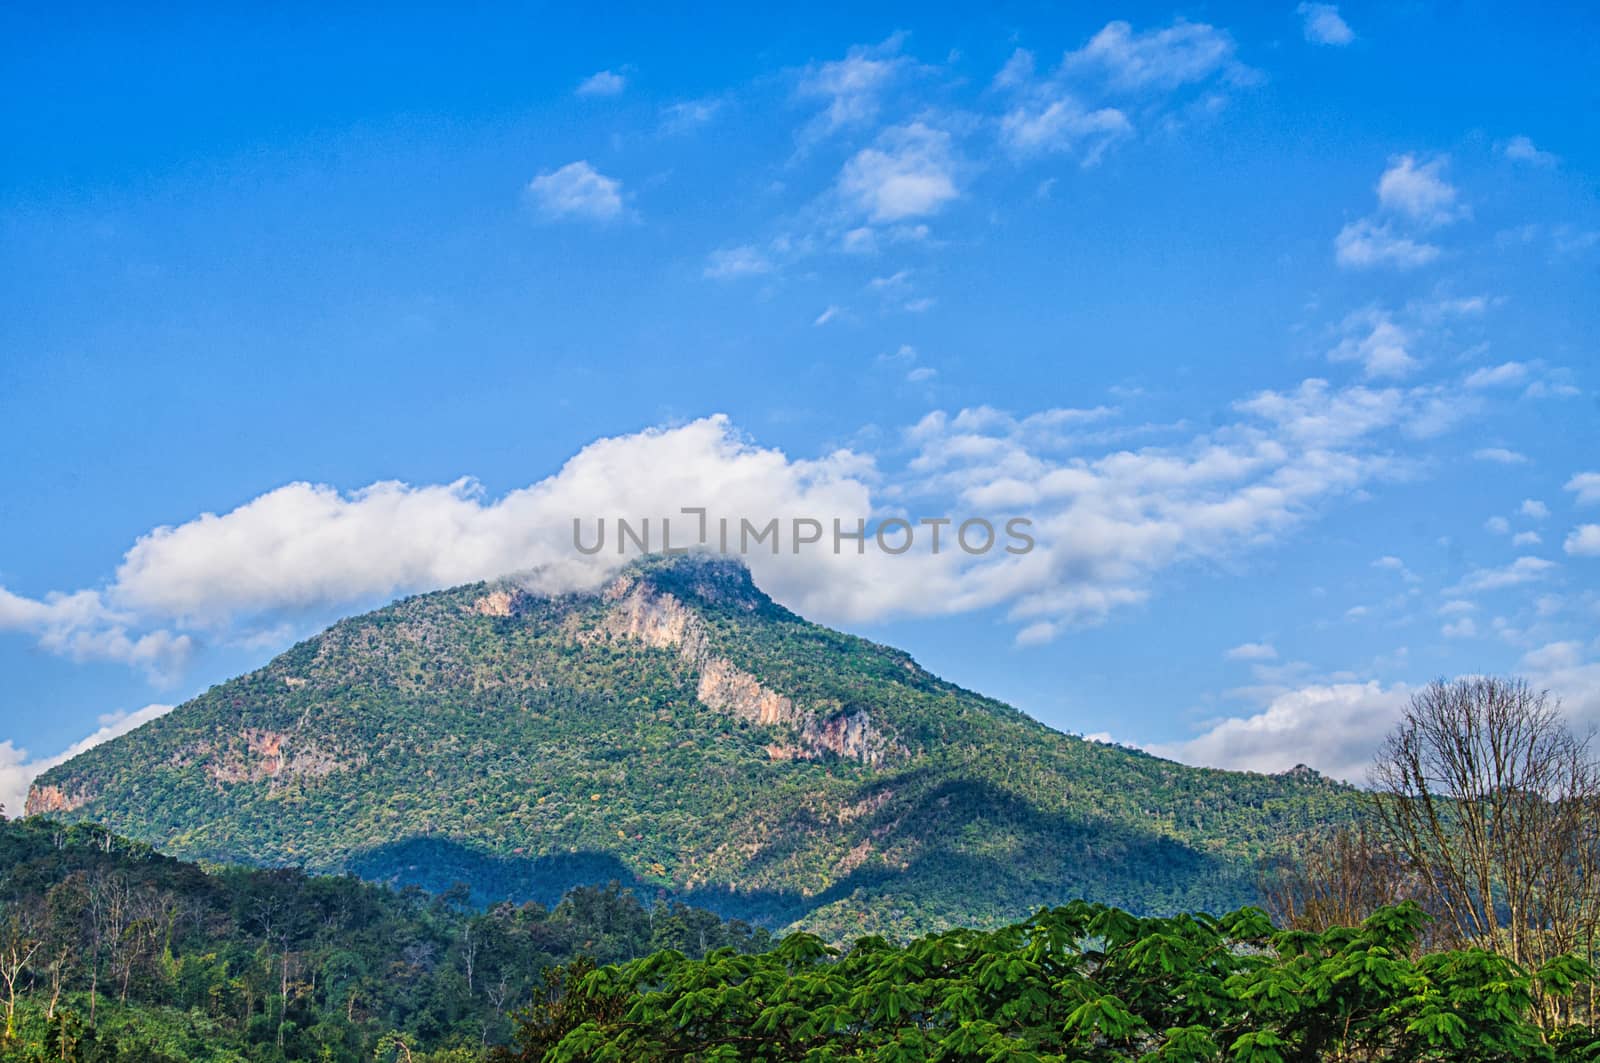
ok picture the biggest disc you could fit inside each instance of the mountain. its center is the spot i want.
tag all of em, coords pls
(678, 731)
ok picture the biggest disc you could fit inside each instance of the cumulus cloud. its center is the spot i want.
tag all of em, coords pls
(1568, 670)
(1082, 108)
(83, 627)
(1017, 71)
(1522, 570)
(909, 172)
(1390, 563)
(1413, 197)
(743, 261)
(1584, 541)
(1366, 243)
(1506, 374)
(1376, 341)
(1418, 191)
(17, 771)
(687, 115)
(1064, 125)
(1161, 59)
(1586, 487)
(1322, 24)
(604, 83)
(1335, 728)
(1252, 651)
(1521, 149)
(853, 86)
(1107, 520)
(1500, 456)
(576, 191)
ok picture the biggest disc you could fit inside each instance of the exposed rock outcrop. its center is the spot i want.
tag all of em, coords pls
(640, 612)
(271, 755)
(46, 799)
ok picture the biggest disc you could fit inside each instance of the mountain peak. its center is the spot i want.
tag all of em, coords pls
(709, 577)
(678, 730)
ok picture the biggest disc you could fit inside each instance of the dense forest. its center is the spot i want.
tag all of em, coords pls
(111, 951)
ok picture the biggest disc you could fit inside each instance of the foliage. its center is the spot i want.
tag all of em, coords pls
(1081, 982)
(137, 956)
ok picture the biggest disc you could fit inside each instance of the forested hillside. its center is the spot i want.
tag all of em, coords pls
(677, 730)
(111, 951)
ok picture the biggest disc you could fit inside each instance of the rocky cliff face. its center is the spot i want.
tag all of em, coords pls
(45, 800)
(640, 612)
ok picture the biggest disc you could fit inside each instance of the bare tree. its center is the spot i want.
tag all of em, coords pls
(1497, 805)
(1337, 880)
(20, 939)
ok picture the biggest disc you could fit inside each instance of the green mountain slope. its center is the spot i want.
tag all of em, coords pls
(678, 730)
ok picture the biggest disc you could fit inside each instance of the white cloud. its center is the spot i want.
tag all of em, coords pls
(921, 374)
(1500, 456)
(1522, 570)
(1335, 728)
(827, 315)
(1584, 541)
(852, 86)
(1418, 192)
(577, 190)
(1497, 526)
(1017, 71)
(1457, 607)
(1378, 343)
(1164, 59)
(1365, 243)
(1322, 24)
(1527, 538)
(908, 173)
(1412, 197)
(17, 772)
(1586, 486)
(1521, 149)
(893, 282)
(604, 83)
(83, 627)
(1390, 563)
(1465, 628)
(732, 262)
(687, 115)
(1107, 520)
(1504, 375)
(1568, 671)
(1252, 651)
(1533, 509)
(1064, 125)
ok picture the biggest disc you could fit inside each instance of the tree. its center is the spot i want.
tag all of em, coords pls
(1336, 880)
(1497, 805)
(20, 939)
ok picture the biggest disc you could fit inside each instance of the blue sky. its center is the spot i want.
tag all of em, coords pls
(1278, 320)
